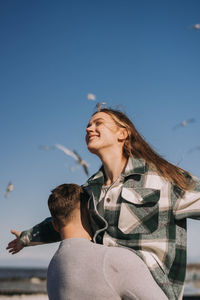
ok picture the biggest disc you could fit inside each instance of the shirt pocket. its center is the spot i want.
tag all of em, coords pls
(139, 210)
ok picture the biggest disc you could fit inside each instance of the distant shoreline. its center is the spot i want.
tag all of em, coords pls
(197, 297)
(19, 293)
(192, 266)
(24, 297)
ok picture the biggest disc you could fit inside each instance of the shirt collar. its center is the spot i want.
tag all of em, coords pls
(134, 166)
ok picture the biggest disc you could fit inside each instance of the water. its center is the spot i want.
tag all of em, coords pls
(18, 281)
(24, 297)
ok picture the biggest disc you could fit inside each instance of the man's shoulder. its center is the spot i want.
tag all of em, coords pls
(74, 246)
(121, 257)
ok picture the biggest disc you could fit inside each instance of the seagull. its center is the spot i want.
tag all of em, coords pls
(100, 105)
(196, 26)
(66, 151)
(82, 162)
(74, 155)
(10, 188)
(91, 97)
(184, 123)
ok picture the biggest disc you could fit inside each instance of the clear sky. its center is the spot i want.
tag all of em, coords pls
(140, 56)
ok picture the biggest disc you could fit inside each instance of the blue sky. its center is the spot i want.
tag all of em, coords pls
(140, 56)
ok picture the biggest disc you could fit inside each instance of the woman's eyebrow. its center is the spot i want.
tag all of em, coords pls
(95, 120)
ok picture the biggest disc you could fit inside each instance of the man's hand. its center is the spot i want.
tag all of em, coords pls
(15, 245)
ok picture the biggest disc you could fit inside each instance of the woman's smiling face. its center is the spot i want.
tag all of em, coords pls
(101, 132)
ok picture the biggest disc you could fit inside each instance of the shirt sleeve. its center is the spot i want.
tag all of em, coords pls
(41, 233)
(188, 206)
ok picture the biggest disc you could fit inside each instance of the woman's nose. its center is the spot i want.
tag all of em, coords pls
(89, 129)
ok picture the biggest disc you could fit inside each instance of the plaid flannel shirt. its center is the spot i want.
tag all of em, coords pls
(148, 216)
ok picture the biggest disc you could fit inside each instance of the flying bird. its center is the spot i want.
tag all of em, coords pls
(100, 105)
(74, 155)
(82, 162)
(66, 151)
(196, 26)
(10, 188)
(184, 123)
(91, 97)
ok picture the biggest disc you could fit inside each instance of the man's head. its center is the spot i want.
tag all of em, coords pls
(64, 203)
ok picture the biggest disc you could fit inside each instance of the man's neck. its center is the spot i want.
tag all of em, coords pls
(73, 231)
(79, 226)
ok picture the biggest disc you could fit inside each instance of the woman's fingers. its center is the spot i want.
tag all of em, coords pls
(15, 246)
(16, 233)
(11, 244)
(15, 250)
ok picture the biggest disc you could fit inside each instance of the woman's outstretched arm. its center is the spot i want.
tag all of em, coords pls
(42, 233)
(188, 206)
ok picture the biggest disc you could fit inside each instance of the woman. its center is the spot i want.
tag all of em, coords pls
(137, 200)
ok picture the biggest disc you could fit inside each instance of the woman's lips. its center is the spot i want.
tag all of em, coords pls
(92, 137)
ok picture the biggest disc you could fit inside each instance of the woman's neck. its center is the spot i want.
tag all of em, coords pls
(114, 165)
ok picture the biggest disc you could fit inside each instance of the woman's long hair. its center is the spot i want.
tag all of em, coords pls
(137, 147)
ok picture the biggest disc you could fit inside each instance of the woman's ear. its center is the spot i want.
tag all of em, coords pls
(122, 134)
(55, 226)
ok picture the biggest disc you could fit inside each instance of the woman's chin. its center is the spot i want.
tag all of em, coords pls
(92, 149)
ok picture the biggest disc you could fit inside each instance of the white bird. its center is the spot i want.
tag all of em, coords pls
(75, 155)
(196, 26)
(184, 123)
(100, 105)
(82, 162)
(91, 97)
(66, 151)
(10, 188)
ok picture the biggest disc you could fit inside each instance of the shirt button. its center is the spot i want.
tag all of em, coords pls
(108, 200)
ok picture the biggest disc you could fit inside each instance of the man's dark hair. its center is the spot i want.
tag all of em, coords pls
(63, 200)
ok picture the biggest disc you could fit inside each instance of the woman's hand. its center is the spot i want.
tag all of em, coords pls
(15, 245)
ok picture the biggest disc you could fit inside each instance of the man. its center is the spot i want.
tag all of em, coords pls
(83, 270)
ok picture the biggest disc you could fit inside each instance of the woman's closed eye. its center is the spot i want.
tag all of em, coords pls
(98, 123)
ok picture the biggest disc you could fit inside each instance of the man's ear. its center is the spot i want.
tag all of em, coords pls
(55, 226)
(122, 134)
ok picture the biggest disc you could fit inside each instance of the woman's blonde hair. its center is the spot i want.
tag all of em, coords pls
(137, 147)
